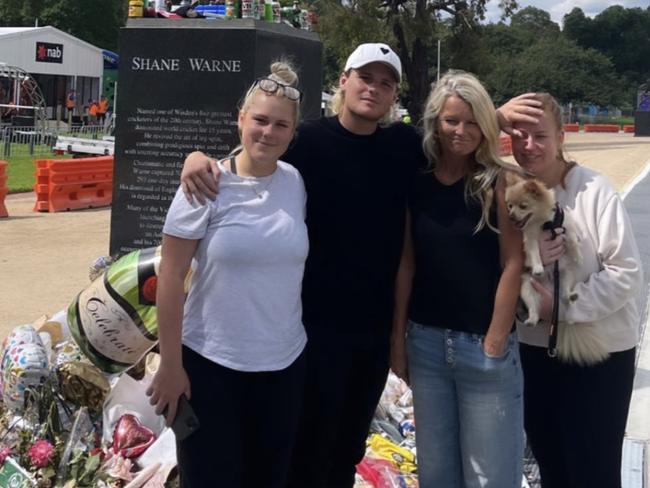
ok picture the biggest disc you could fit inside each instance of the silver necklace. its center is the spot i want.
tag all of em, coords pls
(260, 193)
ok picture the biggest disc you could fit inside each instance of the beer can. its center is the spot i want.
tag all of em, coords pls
(136, 8)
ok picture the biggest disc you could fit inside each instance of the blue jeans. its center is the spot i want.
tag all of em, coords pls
(468, 410)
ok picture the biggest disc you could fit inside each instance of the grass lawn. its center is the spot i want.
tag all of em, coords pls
(606, 120)
(20, 170)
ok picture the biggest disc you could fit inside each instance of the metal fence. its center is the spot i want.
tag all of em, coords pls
(38, 142)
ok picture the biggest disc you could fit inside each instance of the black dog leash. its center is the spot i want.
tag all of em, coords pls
(557, 222)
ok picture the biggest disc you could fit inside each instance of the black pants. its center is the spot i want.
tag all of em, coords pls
(345, 378)
(248, 424)
(575, 417)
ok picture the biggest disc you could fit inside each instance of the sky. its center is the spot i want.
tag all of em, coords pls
(558, 8)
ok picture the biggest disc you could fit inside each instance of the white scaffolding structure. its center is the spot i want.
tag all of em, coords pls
(24, 88)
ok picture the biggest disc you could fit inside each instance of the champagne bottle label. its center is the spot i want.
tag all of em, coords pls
(113, 321)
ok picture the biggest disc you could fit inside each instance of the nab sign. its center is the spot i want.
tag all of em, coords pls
(49, 53)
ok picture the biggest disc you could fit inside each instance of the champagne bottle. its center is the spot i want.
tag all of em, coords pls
(113, 321)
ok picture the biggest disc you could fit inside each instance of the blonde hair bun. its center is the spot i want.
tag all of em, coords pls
(283, 72)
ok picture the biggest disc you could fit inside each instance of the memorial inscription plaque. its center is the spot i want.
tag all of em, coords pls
(180, 84)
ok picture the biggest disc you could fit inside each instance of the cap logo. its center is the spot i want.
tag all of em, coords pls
(384, 50)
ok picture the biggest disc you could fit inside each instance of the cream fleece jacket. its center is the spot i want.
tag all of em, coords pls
(611, 275)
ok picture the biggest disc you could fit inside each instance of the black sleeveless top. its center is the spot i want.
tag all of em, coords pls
(456, 271)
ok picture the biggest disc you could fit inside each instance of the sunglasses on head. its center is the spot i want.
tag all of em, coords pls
(270, 86)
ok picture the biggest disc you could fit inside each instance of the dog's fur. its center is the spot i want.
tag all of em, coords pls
(530, 204)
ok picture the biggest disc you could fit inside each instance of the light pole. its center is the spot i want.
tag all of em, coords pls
(438, 79)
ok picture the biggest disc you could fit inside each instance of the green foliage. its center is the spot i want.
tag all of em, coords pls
(454, 21)
(344, 27)
(532, 54)
(94, 21)
(577, 26)
(412, 27)
(570, 73)
(10, 14)
(84, 468)
(534, 21)
(591, 61)
(619, 33)
(605, 119)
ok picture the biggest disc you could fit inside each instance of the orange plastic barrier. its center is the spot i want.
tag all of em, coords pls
(602, 128)
(70, 184)
(629, 129)
(505, 145)
(571, 127)
(42, 185)
(3, 189)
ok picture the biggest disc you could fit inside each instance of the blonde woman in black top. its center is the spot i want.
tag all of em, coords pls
(460, 272)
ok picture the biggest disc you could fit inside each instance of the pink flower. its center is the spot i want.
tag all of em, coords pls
(5, 452)
(40, 454)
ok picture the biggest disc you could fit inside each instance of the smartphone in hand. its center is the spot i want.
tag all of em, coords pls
(186, 422)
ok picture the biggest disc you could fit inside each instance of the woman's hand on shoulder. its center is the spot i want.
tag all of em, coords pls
(168, 384)
(522, 108)
(200, 177)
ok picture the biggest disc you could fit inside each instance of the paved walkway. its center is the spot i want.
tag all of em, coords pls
(44, 258)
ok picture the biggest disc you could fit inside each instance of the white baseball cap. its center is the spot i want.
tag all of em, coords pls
(374, 53)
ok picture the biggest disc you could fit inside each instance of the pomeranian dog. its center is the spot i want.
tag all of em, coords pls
(530, 205)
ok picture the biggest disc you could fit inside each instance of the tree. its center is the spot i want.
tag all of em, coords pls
(416, 26)
(413, 27)
(94, 21)
(578, 27)
(619, 33)
(343, 27)
(560, 67)
(17, 13)
(535, 22)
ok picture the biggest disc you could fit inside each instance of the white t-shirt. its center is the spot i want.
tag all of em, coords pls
(244, 310)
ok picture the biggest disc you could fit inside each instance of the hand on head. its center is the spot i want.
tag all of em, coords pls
(521, 109)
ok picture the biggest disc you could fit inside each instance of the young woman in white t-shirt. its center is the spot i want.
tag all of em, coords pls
(234, 348)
